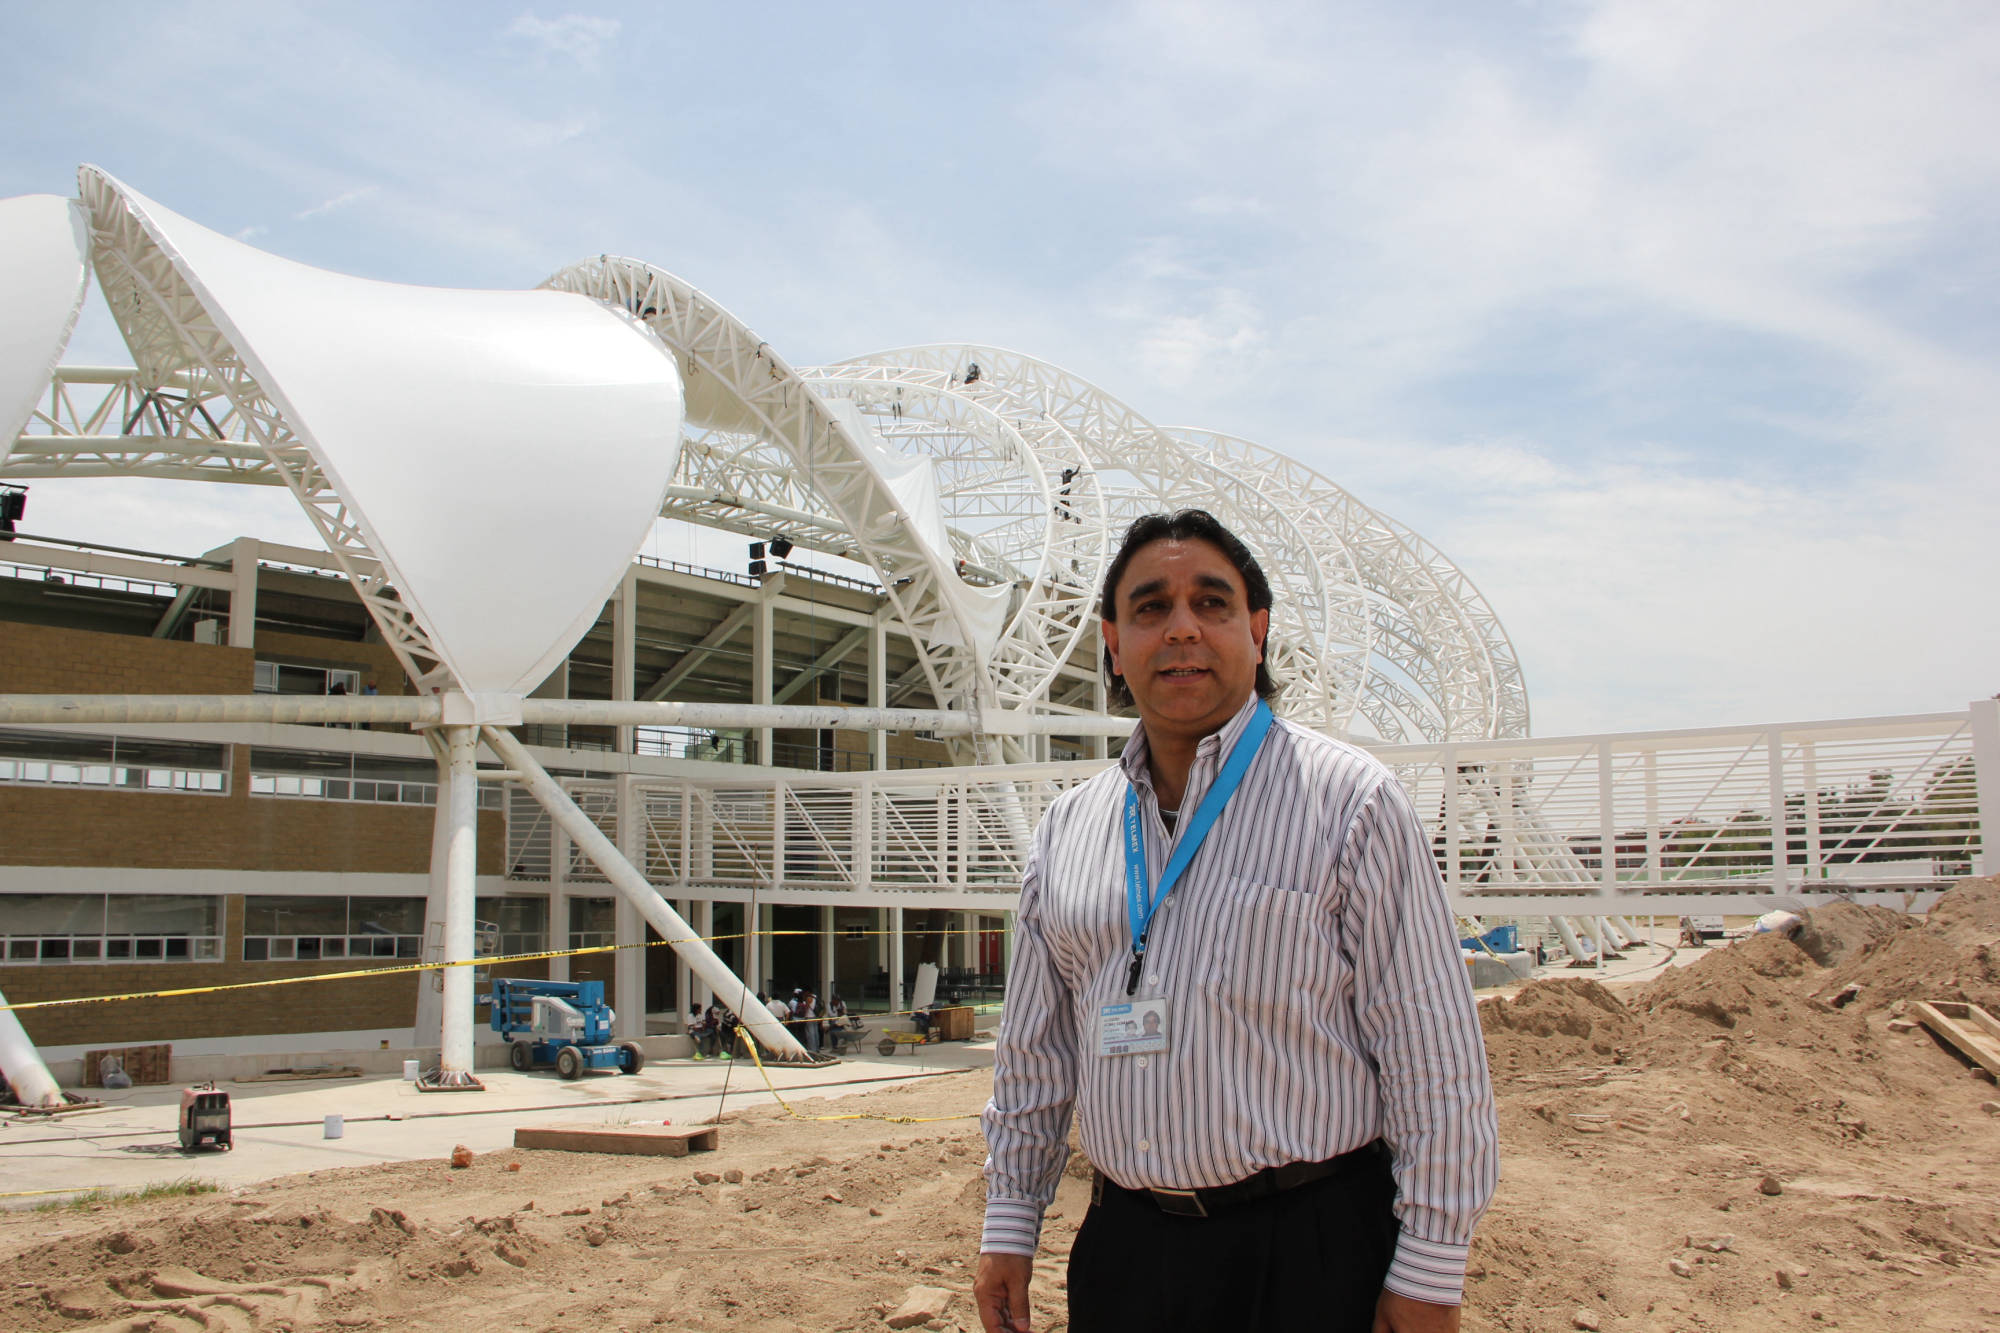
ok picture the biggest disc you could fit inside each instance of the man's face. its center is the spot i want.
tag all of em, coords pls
(1183, 636)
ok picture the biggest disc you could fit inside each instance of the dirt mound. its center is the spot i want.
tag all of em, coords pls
(1833, 934)
(1970, 913)
(1760, 975)
(1557, 1022)
(1953, 955)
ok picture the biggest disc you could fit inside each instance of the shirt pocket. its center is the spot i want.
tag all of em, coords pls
(1270, 943)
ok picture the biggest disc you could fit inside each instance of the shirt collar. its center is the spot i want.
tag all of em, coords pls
(1133, 760)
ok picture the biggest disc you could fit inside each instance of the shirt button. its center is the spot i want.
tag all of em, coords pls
(1153, 980)
(1142, 1062)
(1145, 1145)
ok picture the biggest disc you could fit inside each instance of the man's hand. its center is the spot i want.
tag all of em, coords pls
(1001, 1288)
(1400, 1314)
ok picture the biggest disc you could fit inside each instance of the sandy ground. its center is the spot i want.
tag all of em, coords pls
(1716, 1146)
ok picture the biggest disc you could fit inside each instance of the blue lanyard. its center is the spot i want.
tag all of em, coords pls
(1141, 902)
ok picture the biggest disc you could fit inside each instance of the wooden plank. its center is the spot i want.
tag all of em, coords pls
(640, 1140)
(1966, 1028)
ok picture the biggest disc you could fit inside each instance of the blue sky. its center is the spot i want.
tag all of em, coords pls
(1674, 325)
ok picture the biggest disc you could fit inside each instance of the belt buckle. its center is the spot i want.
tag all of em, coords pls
(1179, 1203)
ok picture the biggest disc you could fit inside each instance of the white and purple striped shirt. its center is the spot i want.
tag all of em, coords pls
(1316, 995)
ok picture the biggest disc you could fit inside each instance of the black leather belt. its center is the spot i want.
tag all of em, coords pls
(1271, 1180)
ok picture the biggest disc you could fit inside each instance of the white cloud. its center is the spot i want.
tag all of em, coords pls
(581, 37)
(1651, 592)
(339, 201)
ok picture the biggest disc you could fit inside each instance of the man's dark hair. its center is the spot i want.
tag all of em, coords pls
(1180, 526)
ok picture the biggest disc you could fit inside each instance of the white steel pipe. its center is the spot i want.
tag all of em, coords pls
(1569, 939)
(56, 709)
(460, 882)
(632, 885)
(22, 1064)
(945, 722)
(421, 710)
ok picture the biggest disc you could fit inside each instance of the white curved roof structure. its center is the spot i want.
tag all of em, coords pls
(44, 273)
(984, 488)
(419, 426)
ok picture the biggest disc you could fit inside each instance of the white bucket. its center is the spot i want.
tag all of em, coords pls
(410, 1070)
(334, 1127)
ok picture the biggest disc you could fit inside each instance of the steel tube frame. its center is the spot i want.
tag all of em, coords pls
(419, 711)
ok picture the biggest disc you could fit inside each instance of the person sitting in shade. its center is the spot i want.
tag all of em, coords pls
(697, 1029)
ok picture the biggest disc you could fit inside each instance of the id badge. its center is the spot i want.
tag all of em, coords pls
(1135, 1027)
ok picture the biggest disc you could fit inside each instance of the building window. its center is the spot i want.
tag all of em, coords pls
(307, 929)
(321, 775)
(593, 923)
(113, 763)
(284, 678)
(110, 928)
(509, 926)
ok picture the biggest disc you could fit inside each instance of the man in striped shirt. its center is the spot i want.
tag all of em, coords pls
(1235, 961)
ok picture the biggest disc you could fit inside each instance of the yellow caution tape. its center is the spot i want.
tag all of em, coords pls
(406, 969)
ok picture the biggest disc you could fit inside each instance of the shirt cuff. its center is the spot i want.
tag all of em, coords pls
(1423, 1270)
(1013, 1226)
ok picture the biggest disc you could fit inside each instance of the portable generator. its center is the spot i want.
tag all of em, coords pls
(204, 1118)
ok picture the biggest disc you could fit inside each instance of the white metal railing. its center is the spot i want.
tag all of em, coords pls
(1883, 805)
(1864, 805)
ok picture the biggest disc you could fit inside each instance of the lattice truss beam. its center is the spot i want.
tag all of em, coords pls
(1036, 469)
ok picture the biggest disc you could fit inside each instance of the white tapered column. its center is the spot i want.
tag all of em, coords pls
(461, 874)
(22, 1065)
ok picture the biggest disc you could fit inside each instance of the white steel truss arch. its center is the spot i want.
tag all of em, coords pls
(1320, 626)
(1431, 662)
(177, 343)
(736, 381)
(1432, 624)
(1020, 498)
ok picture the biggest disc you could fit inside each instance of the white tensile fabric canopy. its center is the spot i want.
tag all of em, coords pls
(913, 481)
(504, 452)
(44, 270)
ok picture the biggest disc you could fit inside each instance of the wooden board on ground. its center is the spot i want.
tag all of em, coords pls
(1970, 1029)
(310, 1071)
(640, 1140)
(145, 1064)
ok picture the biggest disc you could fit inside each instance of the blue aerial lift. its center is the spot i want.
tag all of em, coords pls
(562, 1023)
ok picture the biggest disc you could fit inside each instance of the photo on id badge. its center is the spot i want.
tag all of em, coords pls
(1136, 1027)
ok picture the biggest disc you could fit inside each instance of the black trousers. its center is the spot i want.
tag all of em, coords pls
(1311, 1258)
